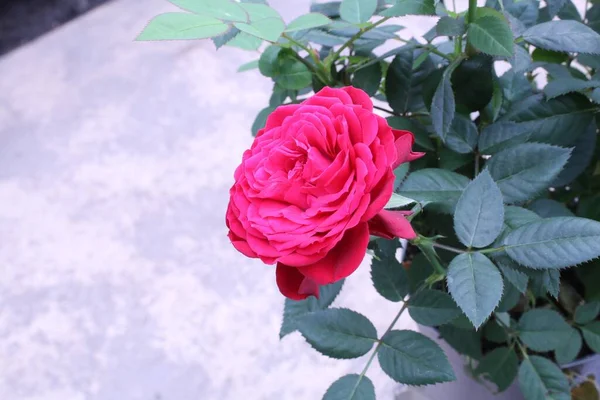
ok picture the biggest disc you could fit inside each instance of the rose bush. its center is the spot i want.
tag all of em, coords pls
(313, 186)
(503, 102)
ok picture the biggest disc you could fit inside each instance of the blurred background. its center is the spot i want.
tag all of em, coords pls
(117, 280)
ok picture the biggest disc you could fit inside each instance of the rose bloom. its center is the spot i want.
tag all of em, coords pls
(312, 188)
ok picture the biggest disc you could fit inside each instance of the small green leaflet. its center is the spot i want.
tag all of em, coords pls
(499, 366)
(587, 312)
(543, 329)
(432, 308)
(491, 35)
(351, 387)
(567, 351)
(541, 379)
(182, 26)
(434, 185)
(388, 275)
(591, 334)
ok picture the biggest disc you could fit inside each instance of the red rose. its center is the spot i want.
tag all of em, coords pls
(313, 186)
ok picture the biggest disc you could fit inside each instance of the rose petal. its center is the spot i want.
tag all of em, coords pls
(404, 142)
(380, 195)
(359, 97)
(342, 260)
(293, 285)
(392, 224)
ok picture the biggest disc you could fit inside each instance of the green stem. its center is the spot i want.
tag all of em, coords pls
(303, 47)
(492, 250)
(357, 36)
(472, 10)
(448, 248)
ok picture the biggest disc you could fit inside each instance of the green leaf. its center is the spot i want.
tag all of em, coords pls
(368, 79)
(400, 173)
(410, 358)
(357, 11)
(492, 36)
(443, 107)
(494, 332)
(404, 82)
(547, 208)
(554, 7)
(541, 379)
(525, 11)
(462, 137)
(558, 87)
(499, 366)
(554, 242)
(569, 350)
(307, 21)
(566, 36)
(591, 334)
(432, 308)
(220, 9)
(510, 298)
(388, 275)
(523, 171)
(338, 332)
(549, 56)
(587, 312)
(476, 285)
(295, 310)
(248, 66)
(397, 201)
(182, 26)
(543, 330)
(448, 26)
(419, 270)
(581, 157)
(351, 387)
(451, 160)
(464, 341)
(589, 60)
(268, 63)
(225, 38)
(293, 74)
(501, 135)
(261, 119)
(264, 22)
(521, 61)
(512, 273)
(544, 281)
(419, 131)
(479, 213)
(245, 41)
(410, 7)
(435, 186)
(473, 82)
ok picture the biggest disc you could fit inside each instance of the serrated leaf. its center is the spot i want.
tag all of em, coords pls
(499, 366)
(510, 298)
(307, 21)
(525, 11)
(587, 312)
(294, 310)
(245, 42)
(220, 9)
(338, 332)
(501, 135)
(559, 87)
(419, 131)
(475, 285)
(523, 171)
(410, 7)
(549, 120)
(182, 26)
(462, 137)
(580, 158)
(357, 11)
(521, 60)
(388, 275)
(567, 36)
(399, 174)
(544, 281)
(464, 341)
(541, 379)
(404, 82)
(225, 38)
(435, 186)
(554, 242)
(268, 29)
(410, 358)
(351, 387)
(543, 329)
(368, 79)
(547, 208)
(448, 26)
(554, 6)
(293, 75)
(397, 201)
(569, 349)
(432, 308)
(492, 36)
(479, 213)
(511, 272)
(591, 334)
(443, 107)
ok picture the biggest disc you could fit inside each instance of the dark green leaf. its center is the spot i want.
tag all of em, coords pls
(544, 281)
(515, 88)
(569, 349)
(473, 82)
(410, 7)
(592, 61)
(523, 171)
(182, 26)
(338, 332)
(492, 36)
(512, 273)
(525, 11)
(404, 82)
(591, 334)
(569, 11)
(510, 298)
(357, 11)
(541, 379)
(261, 119)
(462, 137)
(479, 213)
(448, 26)
(593, 17)
(388, 275)
(419, 270)
(351, 387)
(580, 158)
(451, 160)
(418, 130)
(294, 310)
(521, 60)
(400, 174)
(587, 312)
(567, 36)
(293, 74)
(559, 87)
(436, 186)
(543, 329)
(501, 135)
(432, 308)
(413, 359)
(368, 79)
(494, 332)
(499, 366)
(464, 341)
(547, 208)
(443, 107)
(554, 7)
(307, 21)
(476, 285)
(554, 242)
(331, 9)
(268, 62)
(549, 56)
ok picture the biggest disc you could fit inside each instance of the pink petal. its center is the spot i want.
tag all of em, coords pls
(403, 143)
(293, 285)
(391, 224)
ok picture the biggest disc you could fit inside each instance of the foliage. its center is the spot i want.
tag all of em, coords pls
(505, 201)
